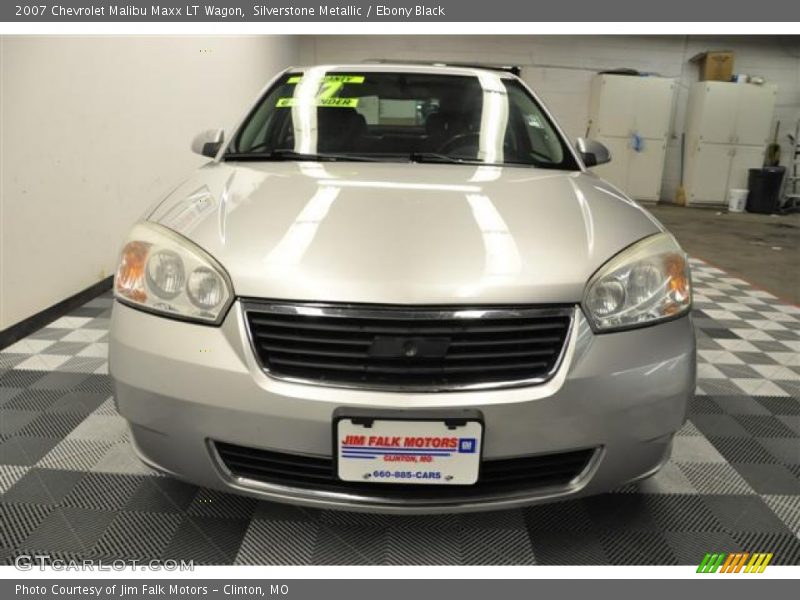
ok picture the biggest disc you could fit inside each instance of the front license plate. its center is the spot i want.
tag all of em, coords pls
(432, 452)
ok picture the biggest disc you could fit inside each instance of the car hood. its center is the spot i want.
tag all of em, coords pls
(397, 233)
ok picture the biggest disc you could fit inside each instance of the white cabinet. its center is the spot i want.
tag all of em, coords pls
(754, 115)
(727, 128)
(645, 169)
(712, 110)
(707, 168)
(631, 116)
(612, 105)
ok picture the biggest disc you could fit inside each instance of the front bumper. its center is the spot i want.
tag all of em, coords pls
(182, 386)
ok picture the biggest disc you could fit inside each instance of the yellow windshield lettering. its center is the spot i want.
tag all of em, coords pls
(339, 78)
(327, 94)
(322, 102)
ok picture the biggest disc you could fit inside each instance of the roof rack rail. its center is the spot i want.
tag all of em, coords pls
(513, 69)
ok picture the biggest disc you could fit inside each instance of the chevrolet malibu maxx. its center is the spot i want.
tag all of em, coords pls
(398, 287)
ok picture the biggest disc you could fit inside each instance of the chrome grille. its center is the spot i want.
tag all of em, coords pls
(405, 348)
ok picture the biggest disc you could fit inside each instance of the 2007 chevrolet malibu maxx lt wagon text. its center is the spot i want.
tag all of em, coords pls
(398, 288)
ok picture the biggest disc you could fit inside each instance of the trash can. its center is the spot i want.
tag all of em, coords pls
(765, 189)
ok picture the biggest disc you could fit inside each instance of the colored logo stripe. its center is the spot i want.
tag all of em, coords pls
(758, 563)
(734, 562)
(711, 563)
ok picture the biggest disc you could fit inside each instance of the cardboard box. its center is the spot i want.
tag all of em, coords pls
(715, 65)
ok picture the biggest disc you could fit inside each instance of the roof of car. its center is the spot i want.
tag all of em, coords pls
(414, 67)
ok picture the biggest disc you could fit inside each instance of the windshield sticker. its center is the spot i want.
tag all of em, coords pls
(330, 86)
(327, 78)
(327, 102)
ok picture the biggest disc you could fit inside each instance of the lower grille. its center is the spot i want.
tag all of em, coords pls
(504, 476)
(399, 348)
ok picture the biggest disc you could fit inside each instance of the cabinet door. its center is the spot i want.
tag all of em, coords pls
(654, 107)
(645, 170)
(615, 106)
(754, 115)
(719, 105)
(744, 158)
(708, 182)
(615, 172)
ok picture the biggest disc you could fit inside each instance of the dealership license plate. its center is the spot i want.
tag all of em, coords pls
(412, 452)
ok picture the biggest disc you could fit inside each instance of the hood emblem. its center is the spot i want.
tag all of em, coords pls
(384, 346)
(410, 349)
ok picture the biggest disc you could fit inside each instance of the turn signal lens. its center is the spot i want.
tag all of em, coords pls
(647, 283)
(129, 281)
(678, 276)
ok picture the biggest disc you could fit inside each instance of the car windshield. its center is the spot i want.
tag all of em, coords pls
(397, 116)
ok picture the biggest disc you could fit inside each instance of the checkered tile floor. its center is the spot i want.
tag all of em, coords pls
(71, 488)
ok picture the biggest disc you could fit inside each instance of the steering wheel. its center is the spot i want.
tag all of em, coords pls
(464, 140)
(458, 141)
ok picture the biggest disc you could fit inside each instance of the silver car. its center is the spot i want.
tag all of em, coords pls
(397, 288)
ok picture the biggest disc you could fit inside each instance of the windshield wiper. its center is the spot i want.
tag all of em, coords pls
(436, 157)
(286, 154)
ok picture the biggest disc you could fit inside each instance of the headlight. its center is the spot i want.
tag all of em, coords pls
(645, 283)
(162, 272)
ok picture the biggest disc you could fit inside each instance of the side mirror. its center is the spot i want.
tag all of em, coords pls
(208, 142)
(592, 153)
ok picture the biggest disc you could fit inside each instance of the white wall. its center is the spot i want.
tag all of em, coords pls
(95, 129)
(560, 68)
